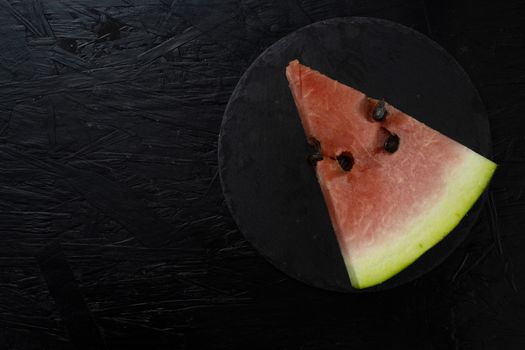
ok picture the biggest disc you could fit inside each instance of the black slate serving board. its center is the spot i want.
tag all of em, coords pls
(272, 191)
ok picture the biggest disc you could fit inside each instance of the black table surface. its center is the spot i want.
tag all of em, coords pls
(113, 228)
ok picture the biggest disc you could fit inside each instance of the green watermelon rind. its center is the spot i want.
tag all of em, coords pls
(466, 184)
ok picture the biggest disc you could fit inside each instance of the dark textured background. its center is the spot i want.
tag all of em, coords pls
(109, 116)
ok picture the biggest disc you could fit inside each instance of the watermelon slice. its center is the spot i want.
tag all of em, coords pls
(393, 186)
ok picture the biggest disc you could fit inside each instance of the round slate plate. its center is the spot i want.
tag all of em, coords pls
(269, 187)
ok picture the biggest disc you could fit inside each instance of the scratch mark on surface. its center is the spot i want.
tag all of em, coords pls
(21, 18)
(463, 262)
(170, 44)
(494, 223)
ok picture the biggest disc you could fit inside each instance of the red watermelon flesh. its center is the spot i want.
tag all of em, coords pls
(389, 208)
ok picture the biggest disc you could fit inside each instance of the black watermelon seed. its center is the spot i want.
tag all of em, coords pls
(346, 162)
(314, 158)
(316, 145)
(380, 112)
(392, 143)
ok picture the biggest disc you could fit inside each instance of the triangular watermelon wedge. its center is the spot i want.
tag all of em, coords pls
(393, 186)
